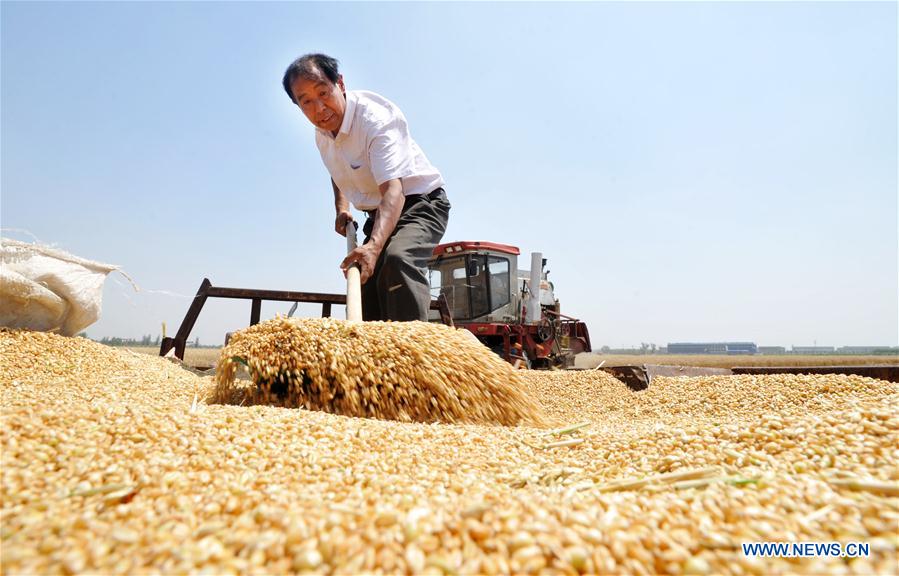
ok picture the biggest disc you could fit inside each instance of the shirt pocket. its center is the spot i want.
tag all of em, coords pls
(354, 155)
(358, 170)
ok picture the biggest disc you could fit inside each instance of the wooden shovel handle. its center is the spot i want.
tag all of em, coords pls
(353, 283)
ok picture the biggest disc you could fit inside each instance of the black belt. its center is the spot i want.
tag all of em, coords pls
(430, 196)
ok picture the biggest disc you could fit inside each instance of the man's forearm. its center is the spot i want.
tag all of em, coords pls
(341, 204)
(389, 210)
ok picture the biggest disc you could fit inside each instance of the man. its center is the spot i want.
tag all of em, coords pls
(375, 164)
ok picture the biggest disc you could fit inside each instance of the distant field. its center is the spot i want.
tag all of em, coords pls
(723, 361)
(204, 357)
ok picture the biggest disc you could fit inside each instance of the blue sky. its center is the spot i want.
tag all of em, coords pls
(691, 171)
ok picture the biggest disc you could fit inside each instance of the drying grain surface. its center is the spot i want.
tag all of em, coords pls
(112, 463)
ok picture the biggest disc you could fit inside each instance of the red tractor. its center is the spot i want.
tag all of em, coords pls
(514, 312)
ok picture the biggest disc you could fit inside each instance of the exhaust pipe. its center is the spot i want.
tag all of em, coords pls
(533, 308)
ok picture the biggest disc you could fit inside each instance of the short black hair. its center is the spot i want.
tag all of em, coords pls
(312, 66)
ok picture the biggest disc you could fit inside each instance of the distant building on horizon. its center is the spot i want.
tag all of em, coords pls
(712, 348)
(813, 350)
(772, 350)
(750, 348)
(865, 350)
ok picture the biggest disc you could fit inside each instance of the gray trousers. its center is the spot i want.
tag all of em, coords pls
(399, 288)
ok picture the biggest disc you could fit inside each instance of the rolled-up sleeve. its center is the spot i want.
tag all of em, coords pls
(390, 152)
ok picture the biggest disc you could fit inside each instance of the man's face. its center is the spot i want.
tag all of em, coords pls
(321, 101)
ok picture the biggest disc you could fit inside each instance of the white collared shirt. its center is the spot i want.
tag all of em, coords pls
(373, 146)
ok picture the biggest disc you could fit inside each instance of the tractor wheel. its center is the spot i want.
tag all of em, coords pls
(545, 330)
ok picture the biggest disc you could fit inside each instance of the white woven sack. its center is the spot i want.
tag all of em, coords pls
(49, 290)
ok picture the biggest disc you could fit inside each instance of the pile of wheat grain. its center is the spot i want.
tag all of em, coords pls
(112, 463)
(406, 371)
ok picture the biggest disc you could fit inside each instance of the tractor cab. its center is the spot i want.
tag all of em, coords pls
(477, 280)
